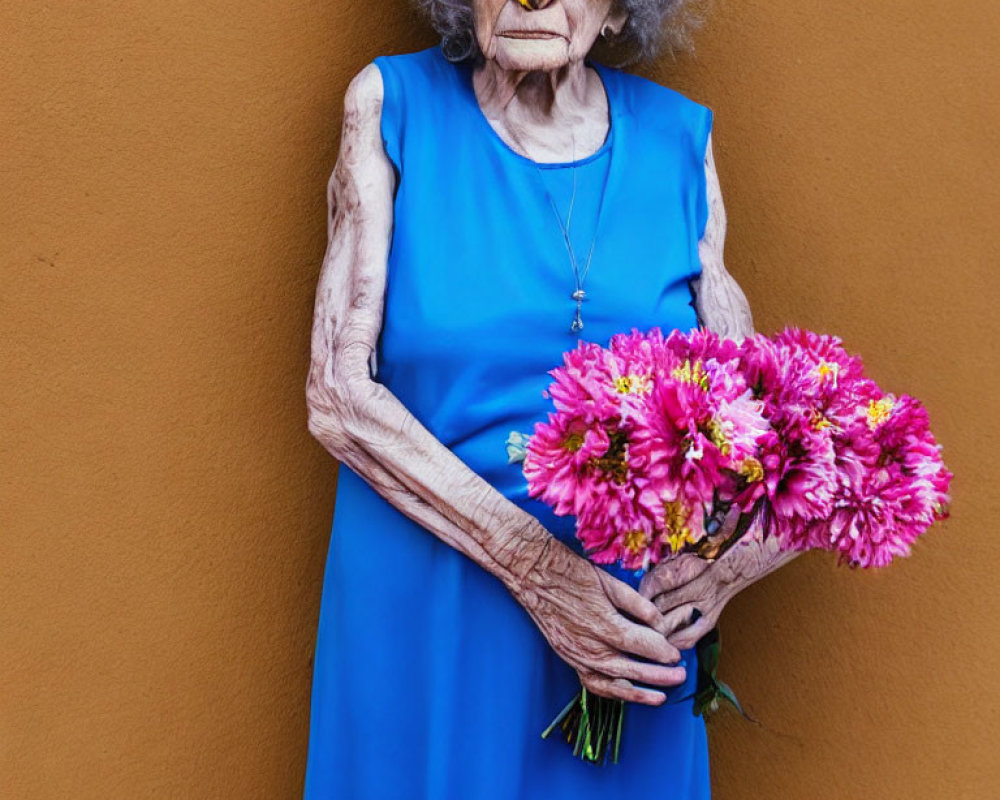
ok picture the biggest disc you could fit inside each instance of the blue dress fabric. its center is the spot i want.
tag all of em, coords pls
(430, 681)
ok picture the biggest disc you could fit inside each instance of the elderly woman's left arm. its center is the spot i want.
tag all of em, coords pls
(681, 585)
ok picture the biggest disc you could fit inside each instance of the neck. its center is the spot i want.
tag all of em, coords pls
(545, 109)
(540, 95)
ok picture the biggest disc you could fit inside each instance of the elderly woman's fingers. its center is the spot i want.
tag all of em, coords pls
(669, 575)
(680, 617)
(689, 593)
(584, 614)
(627, 599)
(657, 674)
(631, 637)
(688, 636)
(619, 689)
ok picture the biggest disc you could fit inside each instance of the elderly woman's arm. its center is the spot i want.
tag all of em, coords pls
(364, 425)
(679, 586)
(721, 305)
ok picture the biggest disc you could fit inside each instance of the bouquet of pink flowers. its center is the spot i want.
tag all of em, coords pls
(653, 438)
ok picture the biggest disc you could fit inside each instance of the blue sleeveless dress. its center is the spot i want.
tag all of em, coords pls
(430, 681)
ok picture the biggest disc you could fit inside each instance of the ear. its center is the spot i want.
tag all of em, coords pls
(616, 17)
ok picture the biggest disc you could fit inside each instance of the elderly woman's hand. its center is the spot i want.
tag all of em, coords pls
(680, 570)
(683, 586)
(579, 608)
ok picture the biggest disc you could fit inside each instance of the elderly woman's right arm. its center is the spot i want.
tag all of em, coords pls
(575, 604)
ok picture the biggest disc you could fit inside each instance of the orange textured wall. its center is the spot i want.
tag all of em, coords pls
(165, 514)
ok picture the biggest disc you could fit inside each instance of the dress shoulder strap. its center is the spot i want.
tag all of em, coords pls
(413, 92)
(670, 128)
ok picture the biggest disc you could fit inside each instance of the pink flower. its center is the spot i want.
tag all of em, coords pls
(874, 520)
(892, 484)
(701, 422)
(799, 475)
(702, 344)
(583, 385)
(556, 460)
(803, 372)
(618, 529)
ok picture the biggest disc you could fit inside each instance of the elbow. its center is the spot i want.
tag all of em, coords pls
(336, 414)
(340, 395)
(327, 427)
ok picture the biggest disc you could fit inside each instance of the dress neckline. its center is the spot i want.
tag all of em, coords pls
(465, 68)
(616, 141)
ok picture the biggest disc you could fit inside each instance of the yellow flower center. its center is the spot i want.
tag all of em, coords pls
(713, 430)
(632, 384)
(879, 411)
(820, 422)
(752, 469)
(635, 541)
(692, 373)
(828, 370)
(573, 442)
(675, 528)
(615, 460)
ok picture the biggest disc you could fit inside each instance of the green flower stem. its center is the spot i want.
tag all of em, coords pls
(561, 715)
(592, 725)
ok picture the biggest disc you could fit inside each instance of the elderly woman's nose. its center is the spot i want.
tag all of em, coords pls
(534, 5)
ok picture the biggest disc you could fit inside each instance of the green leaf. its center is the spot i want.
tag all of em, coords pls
(708, 649)
(710, 691)
(726, 692)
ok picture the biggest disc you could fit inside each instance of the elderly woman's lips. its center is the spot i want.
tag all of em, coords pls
(530, 34)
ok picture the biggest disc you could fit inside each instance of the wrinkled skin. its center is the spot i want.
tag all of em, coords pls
(542, 91)
(689, 582)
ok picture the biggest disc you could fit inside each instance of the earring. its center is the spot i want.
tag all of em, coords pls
(607, 31)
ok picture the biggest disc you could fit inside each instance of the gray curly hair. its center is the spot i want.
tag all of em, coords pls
(652, 25)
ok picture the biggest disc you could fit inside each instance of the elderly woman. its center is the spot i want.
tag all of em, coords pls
(496, 199)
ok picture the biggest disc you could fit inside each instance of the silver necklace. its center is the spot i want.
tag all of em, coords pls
(578, 295)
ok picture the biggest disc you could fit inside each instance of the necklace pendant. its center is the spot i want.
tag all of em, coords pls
(577, 324)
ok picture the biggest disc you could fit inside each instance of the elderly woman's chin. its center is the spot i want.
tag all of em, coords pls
(523, 53)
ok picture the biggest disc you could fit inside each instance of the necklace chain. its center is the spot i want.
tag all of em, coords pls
(578, 294)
